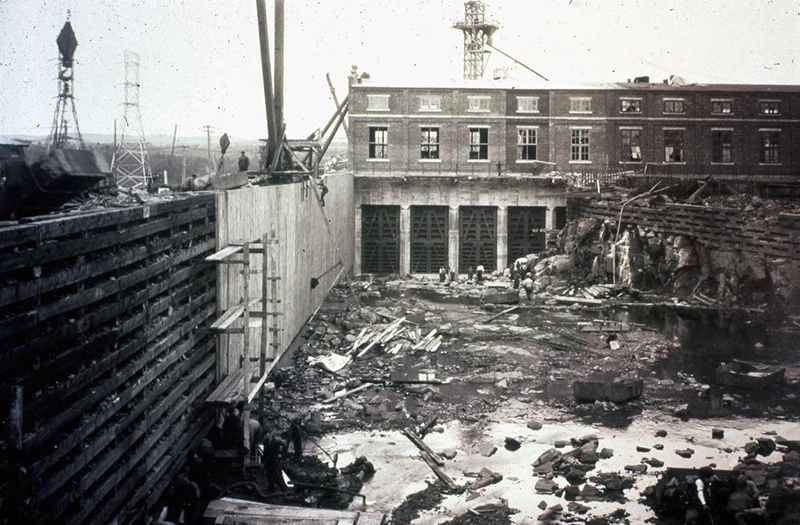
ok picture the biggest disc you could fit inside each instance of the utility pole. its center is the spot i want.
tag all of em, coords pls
(172, 153)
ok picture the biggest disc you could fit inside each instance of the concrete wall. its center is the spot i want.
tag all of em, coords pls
(305, 249)
(454, 193)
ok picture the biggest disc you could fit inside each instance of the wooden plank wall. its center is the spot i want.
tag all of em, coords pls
(101, 318)
(305, 250)
(717, 228)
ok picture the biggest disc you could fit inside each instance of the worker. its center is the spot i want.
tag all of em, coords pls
(701, 496)
(741, 505)
(479, 274)
(273, 446)
(470, 273)
(233, 428)
(323, 190)
(527, 284)
(442, 273)
(186, 500)
(244, 162)
(516, 279)
(452, 274)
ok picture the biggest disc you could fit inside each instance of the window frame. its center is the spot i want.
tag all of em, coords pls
(430, 144)
(675, 100)
(482, 147)
(728, 101)
(373, 144)
(581, 146)
(714, 133)
(668, 132)
(535, 100)
(572, 102)
(432, 97)
(775, 149)
(474, 98)
(637, 100)
(768, 102)
(630, 146)
(378, 96)
(526, 146)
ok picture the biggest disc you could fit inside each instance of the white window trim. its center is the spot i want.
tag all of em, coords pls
(629, 128)
(429, 110)
(430, 160)
(673, 129)
(721, 129)
(631, 161)
(580, 162)
(378, 160)
(723, 163)
(479, 161)
(769, 129)
(589, 112)
(387, 97)
(477, 126)
(528, 111)
(527, 161)
(483, 97)
(527, 127)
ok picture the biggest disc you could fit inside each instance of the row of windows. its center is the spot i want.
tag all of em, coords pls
(527, 104)
(580, 143)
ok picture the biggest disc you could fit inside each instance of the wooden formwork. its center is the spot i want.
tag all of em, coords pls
(101, 318)
(718, 228)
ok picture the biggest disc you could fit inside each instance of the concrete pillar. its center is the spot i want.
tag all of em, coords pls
(453, 246)
(502, 237)
(405, 239)
(357, 243)
(550, 217)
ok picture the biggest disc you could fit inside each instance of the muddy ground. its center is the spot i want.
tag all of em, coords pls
(506, 398)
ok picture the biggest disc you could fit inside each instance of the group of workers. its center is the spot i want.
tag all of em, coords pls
(517, 273)
(706, 496)
(244, 164)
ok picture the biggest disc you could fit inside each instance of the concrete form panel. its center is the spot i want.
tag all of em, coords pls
(478, 237)
(429, 238)
(380, 239)
(526, 231)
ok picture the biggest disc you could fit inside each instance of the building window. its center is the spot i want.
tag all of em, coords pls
(526, 143)
(580, 105)
(429, 143)
(478, 143)
(722, 107)
(377, 102)
(672, 105)
(770, 147)
(721, 146)
(527, 104)
(673, 145)
(770, 107)
(631, 145)
(379, 142)
(479, 103)
(430, 103)
(630, 105)
(579, 149)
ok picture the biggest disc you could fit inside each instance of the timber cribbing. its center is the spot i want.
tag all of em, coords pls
(100, 332)
(717, 228)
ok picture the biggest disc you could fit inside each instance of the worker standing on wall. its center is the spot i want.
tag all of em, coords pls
(323, 189)
(244, 162)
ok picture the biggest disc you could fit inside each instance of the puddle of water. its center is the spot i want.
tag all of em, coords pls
(400, 472)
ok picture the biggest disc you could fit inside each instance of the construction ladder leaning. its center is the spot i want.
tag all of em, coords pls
(235, 384)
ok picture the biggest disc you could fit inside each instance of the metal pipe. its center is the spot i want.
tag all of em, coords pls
(266, 73)
(279, 60)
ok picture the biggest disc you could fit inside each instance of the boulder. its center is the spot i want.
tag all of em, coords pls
(717, 433)
(549, 456)
(639, 468)
(547, 486)
(605, 453)
(686, 453)
(534, 425)
(512, 444)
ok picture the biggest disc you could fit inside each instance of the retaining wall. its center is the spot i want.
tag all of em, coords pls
(720, 228)
(104, 357)
(305, 249)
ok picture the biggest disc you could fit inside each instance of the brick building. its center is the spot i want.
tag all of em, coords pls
(459, 176)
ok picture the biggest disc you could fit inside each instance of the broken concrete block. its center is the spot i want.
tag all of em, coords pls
(605, 453)
(658, 446)
(448, 453)
(486, 477)
(543, 469)
(534, 425)
(591, 493)
(547, 486)
(655, 463)
(642, 449)
(638, 468)
(571, 492)
(487, 449)
(561, 443)
(512, 444)
(717, 433)
(575, 476)
(577, 508)
(549, 456)
(542, 505)
(500, 297)
(686, 453)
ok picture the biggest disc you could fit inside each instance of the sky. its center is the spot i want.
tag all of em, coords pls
(200, 62)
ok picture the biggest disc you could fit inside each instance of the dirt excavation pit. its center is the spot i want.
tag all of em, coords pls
(494, 403)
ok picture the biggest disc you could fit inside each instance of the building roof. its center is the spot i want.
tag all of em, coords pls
(589, 86)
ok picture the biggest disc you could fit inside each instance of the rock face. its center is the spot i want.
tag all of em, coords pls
(673, 264)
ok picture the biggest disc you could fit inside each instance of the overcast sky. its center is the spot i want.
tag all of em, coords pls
(200, 59)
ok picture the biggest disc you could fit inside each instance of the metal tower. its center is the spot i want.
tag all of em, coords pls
(131, 165)
(66, 116)
(477, 34)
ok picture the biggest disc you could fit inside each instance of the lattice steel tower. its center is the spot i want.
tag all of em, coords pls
(477, 33)
(65, 132)
(131, 165)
